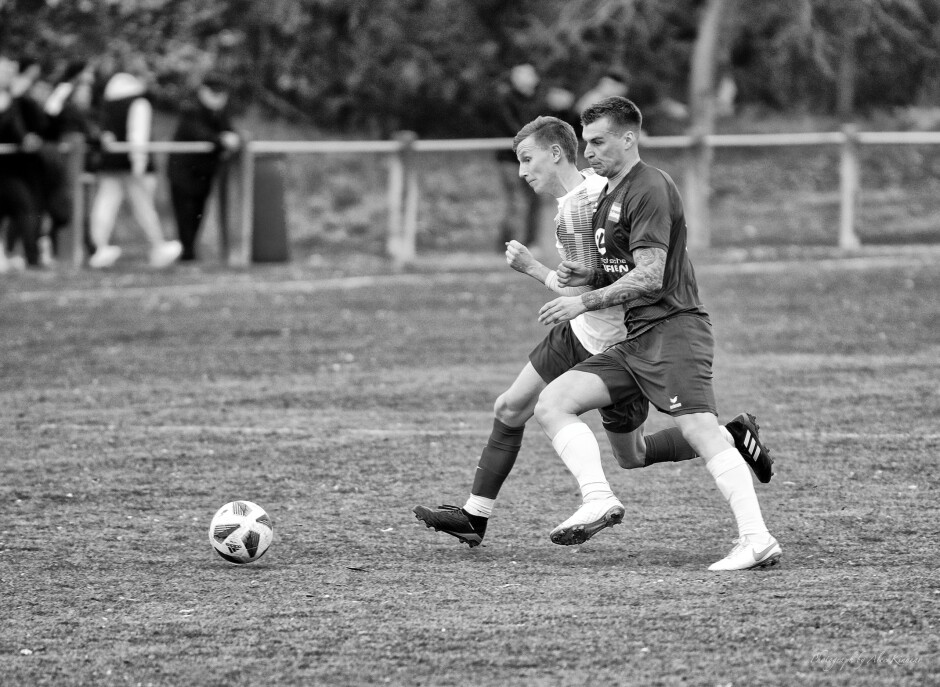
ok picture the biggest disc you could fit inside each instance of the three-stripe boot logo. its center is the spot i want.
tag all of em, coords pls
(752, 446)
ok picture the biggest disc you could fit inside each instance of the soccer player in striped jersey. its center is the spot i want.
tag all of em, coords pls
(547, 152)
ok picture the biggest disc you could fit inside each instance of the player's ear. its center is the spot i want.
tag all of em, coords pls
(556, 152)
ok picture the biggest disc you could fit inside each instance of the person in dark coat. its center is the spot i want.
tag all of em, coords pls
(205, 118)
(69, 112)
(19, 200)
(517, 103)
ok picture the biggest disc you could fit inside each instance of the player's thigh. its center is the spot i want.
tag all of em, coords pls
(516, 405)
(557, 353)
(574, 393)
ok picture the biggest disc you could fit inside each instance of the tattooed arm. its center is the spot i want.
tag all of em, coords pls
(641, 284)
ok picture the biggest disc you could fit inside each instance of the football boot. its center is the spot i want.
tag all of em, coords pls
(454, 521)
(745, 432)
(588, 520)
(749, 552)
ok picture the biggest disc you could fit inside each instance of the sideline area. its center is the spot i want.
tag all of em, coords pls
(319, 273)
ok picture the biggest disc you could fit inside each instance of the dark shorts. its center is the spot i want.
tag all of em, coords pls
(669, 366)
(560, 351)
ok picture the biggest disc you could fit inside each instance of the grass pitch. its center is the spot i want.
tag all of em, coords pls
(134, 405)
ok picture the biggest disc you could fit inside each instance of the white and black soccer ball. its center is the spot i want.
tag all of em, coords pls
(241, 531)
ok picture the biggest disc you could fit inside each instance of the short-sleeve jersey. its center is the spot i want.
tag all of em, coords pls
(645, 211)
(574, 239)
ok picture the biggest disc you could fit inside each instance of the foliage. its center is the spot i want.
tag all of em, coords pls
(373, 67)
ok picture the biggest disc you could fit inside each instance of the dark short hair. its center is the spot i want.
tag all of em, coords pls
(549, 131)
(621, 112)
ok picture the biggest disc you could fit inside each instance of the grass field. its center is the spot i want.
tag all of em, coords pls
(135, 404)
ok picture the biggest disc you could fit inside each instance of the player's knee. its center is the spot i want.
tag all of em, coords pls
(545, 409)
(511, 411)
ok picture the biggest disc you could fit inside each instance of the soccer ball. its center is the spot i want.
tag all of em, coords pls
(241, 531)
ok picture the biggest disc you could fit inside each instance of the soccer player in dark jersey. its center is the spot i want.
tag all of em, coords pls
(666, 358)
(547, 149)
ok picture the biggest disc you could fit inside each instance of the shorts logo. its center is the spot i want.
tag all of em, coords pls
(614, 214)
(674, 403)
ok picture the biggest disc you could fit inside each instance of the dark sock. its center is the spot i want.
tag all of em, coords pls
(477, 522)
(668, 446)
(497, 459)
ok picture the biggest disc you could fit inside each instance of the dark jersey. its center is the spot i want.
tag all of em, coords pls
(645, 211)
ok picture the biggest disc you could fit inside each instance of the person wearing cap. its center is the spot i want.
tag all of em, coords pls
(205, 118)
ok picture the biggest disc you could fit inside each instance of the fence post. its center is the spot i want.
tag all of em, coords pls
(246, 165)
(848, 188)
(698, 183)
(221, 189)
(75, 166)
(402, 201)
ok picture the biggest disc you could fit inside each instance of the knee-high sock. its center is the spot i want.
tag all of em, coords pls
(577, 446)
(494, 466)
(669, 446)
(733, 478)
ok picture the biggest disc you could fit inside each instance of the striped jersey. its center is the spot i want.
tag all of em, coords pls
(574, 239)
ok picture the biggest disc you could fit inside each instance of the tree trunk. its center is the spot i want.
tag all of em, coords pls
(702, 111)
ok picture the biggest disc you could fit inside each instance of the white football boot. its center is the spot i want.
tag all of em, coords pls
(588, 520)
(750, 552)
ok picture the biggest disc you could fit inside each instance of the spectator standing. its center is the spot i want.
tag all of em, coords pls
(71, 110)
(518, 104)
(126, 116)
(205, 118)
(18, 192)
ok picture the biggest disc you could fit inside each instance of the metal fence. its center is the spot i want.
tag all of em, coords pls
(403, 188)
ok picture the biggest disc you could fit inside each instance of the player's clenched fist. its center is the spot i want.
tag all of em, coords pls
(519, 257)
(573, 274)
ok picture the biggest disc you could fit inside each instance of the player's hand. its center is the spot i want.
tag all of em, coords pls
(574, 274)
(561, 310)
(518, 257)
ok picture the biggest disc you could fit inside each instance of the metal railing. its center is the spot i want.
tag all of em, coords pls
(403, 188)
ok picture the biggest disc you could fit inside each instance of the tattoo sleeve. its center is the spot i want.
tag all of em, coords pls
(640, 285)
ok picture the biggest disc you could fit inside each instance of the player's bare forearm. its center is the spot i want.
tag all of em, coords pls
(637, 285)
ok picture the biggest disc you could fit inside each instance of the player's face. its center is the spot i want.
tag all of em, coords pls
(537, 165)
(606, 150)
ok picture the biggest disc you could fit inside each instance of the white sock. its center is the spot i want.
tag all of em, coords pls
(733, 477)
(479, 505)
(577, 446)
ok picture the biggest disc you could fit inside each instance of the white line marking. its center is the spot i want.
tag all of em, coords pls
(487, 269)
(419, 432)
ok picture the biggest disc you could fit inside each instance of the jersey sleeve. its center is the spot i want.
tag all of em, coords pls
(649, 215)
